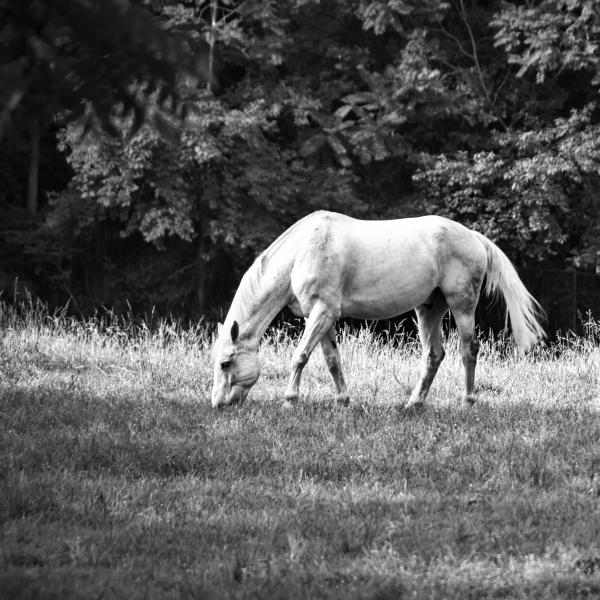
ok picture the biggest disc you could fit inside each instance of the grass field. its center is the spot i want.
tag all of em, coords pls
(117, 480)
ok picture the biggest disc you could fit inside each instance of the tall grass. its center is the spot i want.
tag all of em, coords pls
(118, 480)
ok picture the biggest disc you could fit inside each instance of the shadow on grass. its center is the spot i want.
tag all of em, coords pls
(325, 502)
(145, 436)
(184, 563)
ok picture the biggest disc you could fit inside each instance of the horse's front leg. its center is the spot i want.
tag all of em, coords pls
(332, 359)
(318, 322)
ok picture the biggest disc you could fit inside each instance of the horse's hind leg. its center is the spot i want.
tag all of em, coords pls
(462, 306)
(429, 318)
(469, 347)
(318, 322)
(332, 359)
(462, 295)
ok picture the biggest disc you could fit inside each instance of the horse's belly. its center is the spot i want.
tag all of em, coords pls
(358, 308)
(381, 293)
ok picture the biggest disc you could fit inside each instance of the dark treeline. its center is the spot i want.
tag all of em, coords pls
(151, 149)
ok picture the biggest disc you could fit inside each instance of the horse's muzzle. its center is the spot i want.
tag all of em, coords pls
(237, 395)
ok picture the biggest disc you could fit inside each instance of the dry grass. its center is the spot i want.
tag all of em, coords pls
(118, 480)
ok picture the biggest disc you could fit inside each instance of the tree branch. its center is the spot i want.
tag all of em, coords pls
(455, 40)
(475, 56)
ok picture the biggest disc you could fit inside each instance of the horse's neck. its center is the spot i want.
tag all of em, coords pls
(259, 298)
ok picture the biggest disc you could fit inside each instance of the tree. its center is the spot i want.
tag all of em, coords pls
(226, 179)
(551, 37)
(81, 59)
(482, 111)
(538, 177)
(86, 55)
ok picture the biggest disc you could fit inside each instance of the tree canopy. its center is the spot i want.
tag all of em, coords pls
(85, 57)
(220, 122)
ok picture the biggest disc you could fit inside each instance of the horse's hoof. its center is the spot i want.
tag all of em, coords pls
(343, 399)
(289, 402)
(469, 399)
(414, 408)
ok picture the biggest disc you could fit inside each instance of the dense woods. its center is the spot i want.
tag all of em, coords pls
(151, 149)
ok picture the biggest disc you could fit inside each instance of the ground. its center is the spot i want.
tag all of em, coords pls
(119, 481)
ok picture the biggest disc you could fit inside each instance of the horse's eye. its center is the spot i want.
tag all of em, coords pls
(225, 364)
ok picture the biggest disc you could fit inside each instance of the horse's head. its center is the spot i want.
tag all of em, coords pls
(236, 367)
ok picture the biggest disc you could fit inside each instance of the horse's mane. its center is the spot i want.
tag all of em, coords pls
(251, 282)
(248, 289)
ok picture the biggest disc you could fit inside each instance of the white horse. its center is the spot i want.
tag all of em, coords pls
(328, 266)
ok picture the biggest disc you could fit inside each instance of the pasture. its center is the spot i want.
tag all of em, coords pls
(117, 479)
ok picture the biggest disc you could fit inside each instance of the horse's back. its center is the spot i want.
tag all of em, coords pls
(378, 269)
(384, 246)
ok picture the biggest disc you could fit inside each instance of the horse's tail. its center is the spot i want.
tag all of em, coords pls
(523, 309)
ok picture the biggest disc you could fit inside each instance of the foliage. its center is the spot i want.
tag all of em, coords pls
(534, 184)
(481, 111)
(84, 56)
(551, 37)
(204, 185)
(538, 176)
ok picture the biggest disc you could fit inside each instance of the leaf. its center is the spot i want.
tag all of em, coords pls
(344, 111)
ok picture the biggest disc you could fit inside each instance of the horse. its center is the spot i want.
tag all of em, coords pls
(328, 265)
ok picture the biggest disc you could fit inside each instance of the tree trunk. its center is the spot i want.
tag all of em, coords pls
(202, 270)
(34, 166)
(201, 263)
(211, 44)
(201, 278)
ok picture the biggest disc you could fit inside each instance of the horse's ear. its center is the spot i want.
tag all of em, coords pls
(235, 331)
